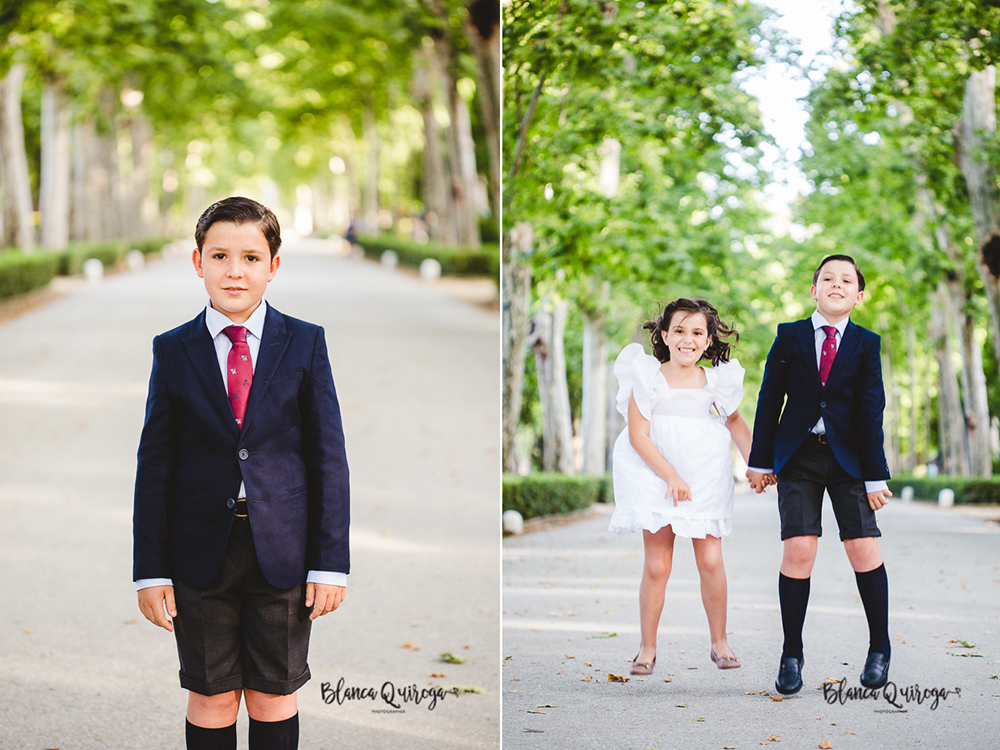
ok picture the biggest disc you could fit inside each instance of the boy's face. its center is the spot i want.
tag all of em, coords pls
(236, 265)
(836, 290)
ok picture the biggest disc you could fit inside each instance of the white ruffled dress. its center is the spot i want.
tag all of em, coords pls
(692, 438)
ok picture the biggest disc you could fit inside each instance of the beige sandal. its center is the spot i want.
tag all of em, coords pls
(642, 667)
(724, 662)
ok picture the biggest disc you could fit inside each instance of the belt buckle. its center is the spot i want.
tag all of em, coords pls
(821, 437)
(238, 514)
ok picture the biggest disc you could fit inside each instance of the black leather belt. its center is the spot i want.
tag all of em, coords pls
(241, 508)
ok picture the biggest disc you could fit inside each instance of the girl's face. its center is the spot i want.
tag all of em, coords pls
(687, 338)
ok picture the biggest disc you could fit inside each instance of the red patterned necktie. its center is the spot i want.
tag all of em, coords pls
(829, 352)
(239, 371)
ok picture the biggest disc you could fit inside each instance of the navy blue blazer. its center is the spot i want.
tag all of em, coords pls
(851, 404)
(290, 453)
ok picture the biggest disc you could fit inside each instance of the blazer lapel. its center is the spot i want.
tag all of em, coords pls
(807, 340)
(848, 341)
(273, 344)
(205, 361)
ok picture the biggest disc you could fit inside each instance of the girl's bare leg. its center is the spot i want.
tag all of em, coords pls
(659, 555)
(714, 591)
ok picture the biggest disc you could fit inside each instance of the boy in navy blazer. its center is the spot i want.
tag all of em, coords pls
(241, 497)
(826, 372)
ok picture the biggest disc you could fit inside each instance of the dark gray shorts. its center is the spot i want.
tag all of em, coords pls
(812, 469)
(242, 632)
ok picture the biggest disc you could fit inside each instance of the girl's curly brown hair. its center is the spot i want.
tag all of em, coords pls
(718, 350)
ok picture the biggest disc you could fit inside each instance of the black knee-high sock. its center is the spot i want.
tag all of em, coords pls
(199, 738)
(874, 589)
(274, 735)
(793, 595)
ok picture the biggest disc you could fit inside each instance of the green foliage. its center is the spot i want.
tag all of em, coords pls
(968, 490)
(547, 494)
(23, 273)
(455, 261)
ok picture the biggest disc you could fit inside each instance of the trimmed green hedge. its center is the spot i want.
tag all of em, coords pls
(21, 273)
(968, 490)
(545, 494)
(455, 261)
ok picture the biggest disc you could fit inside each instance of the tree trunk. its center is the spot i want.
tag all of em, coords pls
(370, 136)
(595, 384)
(951, 437)
(978, 411)
(482, 26)
(141, 135)
(19, 228)
(979, 125)
(436, 181)
(547, 340)
(466, 178)
(516, 290)
(54, 183)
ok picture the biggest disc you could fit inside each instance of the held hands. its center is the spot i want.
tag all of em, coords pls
(879, 499)
(326, 597)
(678, 488)
(759, 482)
(153, 601)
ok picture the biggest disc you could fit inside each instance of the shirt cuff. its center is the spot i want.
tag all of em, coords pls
(878, 486)
(145, 583)
(327, 577)
(761, 471)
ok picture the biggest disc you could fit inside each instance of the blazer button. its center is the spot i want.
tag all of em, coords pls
(244, 454)
(230, 502)
(822, 405)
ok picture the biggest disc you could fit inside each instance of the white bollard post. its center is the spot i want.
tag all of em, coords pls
(946, 498)
(135, 259)
(512, 522)
(430, 269)
(390, 259)
(93, 270)
(907, 494)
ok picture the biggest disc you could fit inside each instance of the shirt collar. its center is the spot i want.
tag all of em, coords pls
(819, 321)
(215, 321)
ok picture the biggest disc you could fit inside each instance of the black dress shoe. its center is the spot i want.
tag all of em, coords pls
(789, 675)
(876, 671)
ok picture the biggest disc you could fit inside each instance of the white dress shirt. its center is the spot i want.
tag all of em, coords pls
(216, 322)
(818, 321)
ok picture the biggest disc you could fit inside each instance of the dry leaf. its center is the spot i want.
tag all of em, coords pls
(616, 678)
(129, 622)
(563, 672)
(570, 657)
(848, 731)
(772, 738)
(834, 679)
(825, 745)
(667, 679)
(537, 712)
(547, 705)
(408, 645)
(514, 678)
(588, 678)
(438, 674)
(681, 705)
(750, 692)
(777, 698)
(536, 731)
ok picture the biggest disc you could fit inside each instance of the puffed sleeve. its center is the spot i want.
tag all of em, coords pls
(635, 371)
(726, 380)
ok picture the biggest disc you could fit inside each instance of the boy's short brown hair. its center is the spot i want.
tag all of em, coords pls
(848, 259)
(239, 210)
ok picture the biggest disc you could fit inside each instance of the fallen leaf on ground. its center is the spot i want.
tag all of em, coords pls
(968, 653)
(700, 718)
(750, 692)
(848, 731)
(825, 745)
(512, 677)
(607, 635)
(834, 679)
(451, 658)
(547, 705)
(588, 678)
(537, 712)
(570, 657)
(772, 738)
(536, 731)
(667, 679)
(438, 674)
(459, 689)
(616, 678)
(777, 698)
(681, 705)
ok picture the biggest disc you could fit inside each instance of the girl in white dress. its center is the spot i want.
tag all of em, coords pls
(672, 464)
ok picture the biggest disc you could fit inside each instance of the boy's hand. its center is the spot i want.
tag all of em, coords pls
(879, 499)
(152, 601)
(759, 482)
(326, 597)
(679, 488)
